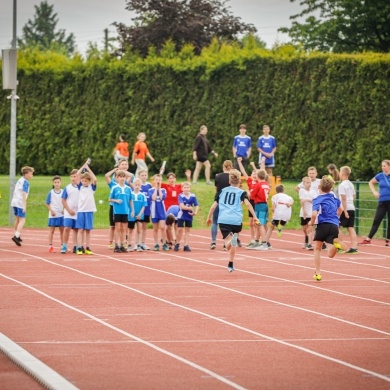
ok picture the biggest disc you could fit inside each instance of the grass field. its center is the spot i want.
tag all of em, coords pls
(37, 213)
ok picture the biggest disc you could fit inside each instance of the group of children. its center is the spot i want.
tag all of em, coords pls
(134, 202)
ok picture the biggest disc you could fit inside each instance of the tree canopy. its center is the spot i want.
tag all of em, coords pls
(342, 25)
(183, 22)
(41, 31)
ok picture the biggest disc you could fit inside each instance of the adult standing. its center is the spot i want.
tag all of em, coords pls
(200, 153)
(266, 145)
(221, 182)
(242, 147)
(383, 196)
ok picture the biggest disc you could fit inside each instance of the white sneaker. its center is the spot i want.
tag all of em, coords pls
(262, 247)
(130, 248)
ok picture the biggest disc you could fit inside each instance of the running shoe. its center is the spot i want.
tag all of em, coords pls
(250, 244)
(213, 245)
(139, 248)
(111, 245)
(309, 247)
(156, 247)
(64, 248)
(352, 251)
(88, 251)
(317, 277)
(51, 249)
(129, 249)
(165, 247)
(365, 242)
(186, 248)
(117, 249)
(224, 247)
(176, 247)
(16, 240)
(323, 246)
(230, 267)
(145, 247)
(304, 246)
(79, 251)
(239, 243)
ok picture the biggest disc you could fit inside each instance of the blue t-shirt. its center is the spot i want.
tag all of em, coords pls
(157, 207)
(145, 190)
(139, 201)
(187, 201)
(326, 205)
(123, 193)
(229, 202)
(242, 145)
(384, 186)
(267, 144)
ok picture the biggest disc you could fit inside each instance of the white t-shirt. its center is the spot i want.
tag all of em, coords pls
(346, 188)
(21, 186)
(306, 210)
(313, 186)
(54, 199)
(282, 212)
(87, 198)
(71, 195)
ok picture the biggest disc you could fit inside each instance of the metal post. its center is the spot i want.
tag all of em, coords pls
(12, 159)
(357, 207)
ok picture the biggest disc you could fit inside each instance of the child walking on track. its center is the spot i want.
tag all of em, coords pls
(188, 209)
(229, 201)
(281, 207)
(19, 202)
(328, 208)
(56, 212)
(86, 208)
(140, 153)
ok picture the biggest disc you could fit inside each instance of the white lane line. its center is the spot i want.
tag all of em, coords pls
(129, 335)
(33, 366)
(179, 358)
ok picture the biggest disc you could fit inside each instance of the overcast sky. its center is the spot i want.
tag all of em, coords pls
(87, 19)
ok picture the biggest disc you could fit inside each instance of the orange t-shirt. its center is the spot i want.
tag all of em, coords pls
(123, 148)
(140, 150)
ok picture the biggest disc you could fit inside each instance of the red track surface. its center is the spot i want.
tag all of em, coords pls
(165, 320)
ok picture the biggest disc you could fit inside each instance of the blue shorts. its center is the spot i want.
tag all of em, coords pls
(19, 212)
(84, 220)
(70, 223)
(261, 211)
(157, 220)
(56, 222)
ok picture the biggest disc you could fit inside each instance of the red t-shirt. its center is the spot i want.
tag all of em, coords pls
(173, 193)
(260, 192)
(251, 185)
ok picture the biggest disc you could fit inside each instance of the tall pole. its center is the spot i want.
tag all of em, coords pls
(12, 159)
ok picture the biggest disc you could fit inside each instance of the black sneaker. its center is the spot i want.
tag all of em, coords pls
(213, 245)
(323, 246)
(186, 248)
(122, 249)
(239, 243)
(352, 251)
(117, 249)
(16, 240)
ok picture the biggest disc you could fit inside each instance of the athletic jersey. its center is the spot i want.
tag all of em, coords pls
(346, 188)
(313, 186)
(123, 193)
(251, 185)
(71, 195)
(260, 192)
(307, 207)
(384, 186)
(145, 190)
(86, 198)
(327, 205)
(172, 194)
(187, 201)
(281, 211)
(157, 208)
(139, 201)
(174, 210)
(229, 202)
(21, 186)
(242, 145)
(123, 148)
(54, 199)
(267, 144)
(141, 150)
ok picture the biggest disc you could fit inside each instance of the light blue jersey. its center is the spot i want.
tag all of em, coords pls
(123, 193)
(139, 201)
(229, 202)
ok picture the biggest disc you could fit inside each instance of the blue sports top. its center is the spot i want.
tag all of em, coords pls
(229, 202)
(267, 144)
(327, 205)
(123, 193)
(242, 144)
(139, 201)
(384, 186)
(187, 201)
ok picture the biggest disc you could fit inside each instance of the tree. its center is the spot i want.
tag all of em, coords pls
(342, 25)
(41, 32)
(193, 22)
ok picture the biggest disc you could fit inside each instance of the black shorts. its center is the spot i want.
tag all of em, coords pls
(227, 229)
(276, 222)
(326, 232)
(146, 219)
(252, 202)
(111, 215)
(121, 218)
(181, 223)
(131, 224)
(305, 221)
(347, 222)
(202, 159)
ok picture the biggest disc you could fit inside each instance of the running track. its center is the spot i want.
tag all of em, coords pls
(176, 320)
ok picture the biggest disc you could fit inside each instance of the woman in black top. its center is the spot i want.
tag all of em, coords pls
(200, 154)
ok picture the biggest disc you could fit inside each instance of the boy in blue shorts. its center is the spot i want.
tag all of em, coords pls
(230, 214)
(328, 208)
(188, 209)
(137, 216)
(19, 202)
(86, 208)
(157, 211)
(120, 197)
(70, 202)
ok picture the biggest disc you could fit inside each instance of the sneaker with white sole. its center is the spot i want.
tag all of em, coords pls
(230, 267)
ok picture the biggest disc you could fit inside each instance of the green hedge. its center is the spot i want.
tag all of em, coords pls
(322, 108)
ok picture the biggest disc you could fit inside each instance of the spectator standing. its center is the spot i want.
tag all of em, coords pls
(242, 148)
(266, 145)
(200, 153)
